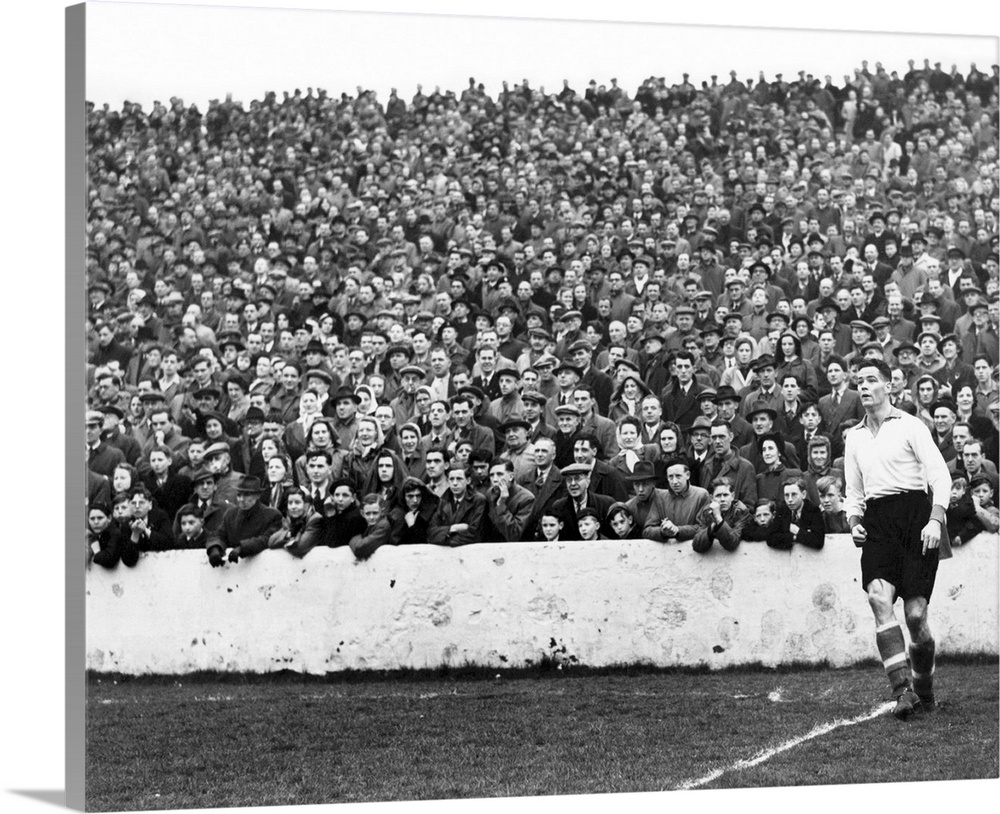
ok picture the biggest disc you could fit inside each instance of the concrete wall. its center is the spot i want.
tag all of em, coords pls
(510, 605)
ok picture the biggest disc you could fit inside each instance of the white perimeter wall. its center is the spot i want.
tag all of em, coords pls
(510, 605)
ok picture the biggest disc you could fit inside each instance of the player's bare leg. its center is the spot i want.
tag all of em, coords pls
(922, 650)
(892, 647)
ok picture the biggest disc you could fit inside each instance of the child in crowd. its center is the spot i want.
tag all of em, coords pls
(622, 522)
(377, 528)
(762, 522)
(104, 536)
(192, 527)
(831, 501)
(551, 526)
(589, 524)
(961, 515)
(981, 488)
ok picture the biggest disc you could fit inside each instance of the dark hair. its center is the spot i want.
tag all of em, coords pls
(192, 509)
(314, 452)
(589, 438)
(504, 462)
(884, 370)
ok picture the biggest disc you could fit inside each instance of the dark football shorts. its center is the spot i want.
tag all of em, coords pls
(893, 550)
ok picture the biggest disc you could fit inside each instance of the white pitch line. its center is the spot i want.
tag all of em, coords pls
(767, 754)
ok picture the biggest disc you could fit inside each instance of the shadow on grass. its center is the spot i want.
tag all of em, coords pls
(547, 666)
(56, 797)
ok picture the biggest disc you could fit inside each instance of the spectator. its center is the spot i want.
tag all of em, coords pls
(192, 532)
(622, 522)
(410, 518)
(509, 505)
(298, 510)
(377, 528)
(105, 538)
(149, 527)
(726, 462)
(674, 512)
(335, 523)
(831, 497)
(722, 520)
(246, 527)
(763, 523)
(458, 518)
(770, 482)
(798, 519)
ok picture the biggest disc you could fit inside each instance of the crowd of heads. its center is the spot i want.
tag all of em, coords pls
(489, 309)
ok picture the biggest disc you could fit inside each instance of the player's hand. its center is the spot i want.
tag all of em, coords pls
(858, 534)
(930, 535)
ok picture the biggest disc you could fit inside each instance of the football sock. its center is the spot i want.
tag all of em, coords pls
(892, 649)
(922, 660)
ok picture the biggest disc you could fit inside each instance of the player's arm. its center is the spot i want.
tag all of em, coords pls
(854, 489)
(939, 479)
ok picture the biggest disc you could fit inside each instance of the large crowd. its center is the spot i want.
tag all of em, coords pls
(333, 321)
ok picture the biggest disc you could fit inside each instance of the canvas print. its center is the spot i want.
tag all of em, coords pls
(465, 421)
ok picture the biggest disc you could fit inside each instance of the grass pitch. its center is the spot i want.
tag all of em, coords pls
(265, 740)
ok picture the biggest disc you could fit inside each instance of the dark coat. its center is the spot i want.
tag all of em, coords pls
(811, 527)
(104, 458)
(565, 510)
(471, 510)
(161, 535)
(248, 531)
(506, 519)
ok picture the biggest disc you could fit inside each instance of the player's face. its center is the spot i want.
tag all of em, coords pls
(872, 388)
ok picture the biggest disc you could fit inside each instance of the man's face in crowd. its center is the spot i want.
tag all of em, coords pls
(678, 477)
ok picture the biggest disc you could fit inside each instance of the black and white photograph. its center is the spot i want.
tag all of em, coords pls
(527, 409)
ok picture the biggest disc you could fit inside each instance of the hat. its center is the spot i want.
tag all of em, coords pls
(880, 322)
(249, 485)
(977, 480)
(566, 366)
(711, 328)
(702, 295)
(317, 373)
(758, 266)
(954, 251)
(471, 390)
(707, 393)
(873, 345)
(112, 409)
(413, 370)
(979, 304)
(653, 334)
(575, 469)
(779, 315)
(540, 332)
(207, 393)
(684, 309)
(701, 423)
(828, 304)
(932, 334)
(568, 409)
(345, 393)
(253, 414)
(513, 372)
(217, 449)
(315, 346)
(905, 346)
(580, 344)
(95, 417)
(947, 403)
(544, 360)
(948, 338)
(726, 393)
(624, 362)
(860, 324)
(394, 349)
(535, 398)
(763, 361)
(736, 281)
(512, 423)
(762, 407)
(934, 319)
(644, 470)
(201, 474)
(571, 315)
(152, 396)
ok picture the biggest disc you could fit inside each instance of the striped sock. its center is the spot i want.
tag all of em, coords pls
(922, 659)
(892, 649)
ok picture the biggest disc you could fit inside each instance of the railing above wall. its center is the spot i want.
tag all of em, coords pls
(512, 605)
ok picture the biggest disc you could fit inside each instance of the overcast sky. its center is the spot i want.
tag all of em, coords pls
(144, 52)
